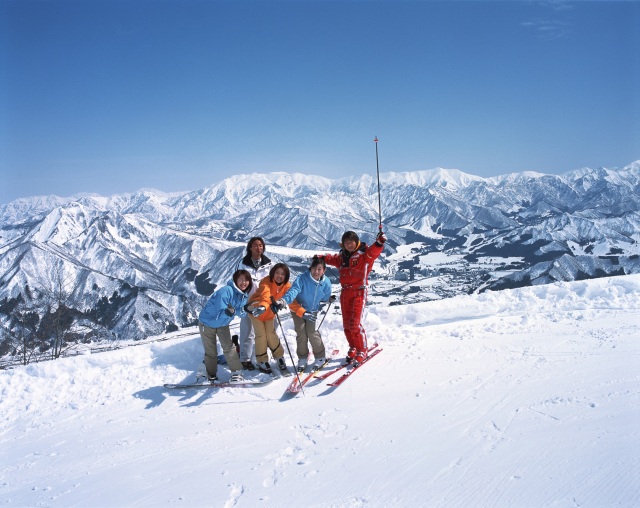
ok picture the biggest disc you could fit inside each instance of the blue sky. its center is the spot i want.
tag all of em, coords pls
(113, 96)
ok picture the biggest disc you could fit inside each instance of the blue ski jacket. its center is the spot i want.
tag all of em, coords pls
(213, 313)
(308, 292)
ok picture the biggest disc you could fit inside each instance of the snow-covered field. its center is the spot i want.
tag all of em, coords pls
(520, 398)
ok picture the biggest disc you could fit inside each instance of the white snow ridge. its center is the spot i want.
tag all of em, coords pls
(519, 398)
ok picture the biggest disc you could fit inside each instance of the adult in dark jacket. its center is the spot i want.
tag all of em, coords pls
(258, 265)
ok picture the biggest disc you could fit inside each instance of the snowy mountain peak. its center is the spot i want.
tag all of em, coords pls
(451, 179)
(288, 183)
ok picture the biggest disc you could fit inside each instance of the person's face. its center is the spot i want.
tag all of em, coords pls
(243, 283)
(278, 276)
(350, 245)
(257, 248)
(317, 272)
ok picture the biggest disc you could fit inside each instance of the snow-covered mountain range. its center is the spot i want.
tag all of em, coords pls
(133, 265)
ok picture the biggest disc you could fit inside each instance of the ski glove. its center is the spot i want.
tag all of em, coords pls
(230, 311)
(381, 238)
(258, 311)
(254, 311)
(332, 298)
(278, 305)
(310, 316)
(281, 304)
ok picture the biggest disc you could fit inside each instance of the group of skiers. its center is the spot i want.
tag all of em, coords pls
(259, 289)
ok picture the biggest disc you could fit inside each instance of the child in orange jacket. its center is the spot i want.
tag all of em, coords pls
(271, 288)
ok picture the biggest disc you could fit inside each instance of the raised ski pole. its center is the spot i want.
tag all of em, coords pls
(375, 139)
(284, 337)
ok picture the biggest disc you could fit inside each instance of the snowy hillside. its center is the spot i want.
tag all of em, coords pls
(135, 265)
(527, 397)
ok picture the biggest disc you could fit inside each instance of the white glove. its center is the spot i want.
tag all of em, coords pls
(310, 316)
(258, 311)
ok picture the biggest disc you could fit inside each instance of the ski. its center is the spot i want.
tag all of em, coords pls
(341, 366)
(344, 376)
(301, 371)
(296, 385)
(219, 384)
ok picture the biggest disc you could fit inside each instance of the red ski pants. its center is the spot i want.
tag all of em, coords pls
(352, 301)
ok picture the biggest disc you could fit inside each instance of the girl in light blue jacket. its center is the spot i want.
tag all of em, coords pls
(311, 290)
(215, 318)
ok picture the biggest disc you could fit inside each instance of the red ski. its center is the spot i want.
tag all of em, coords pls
(296, 385)
(344, 376)
(340, 367)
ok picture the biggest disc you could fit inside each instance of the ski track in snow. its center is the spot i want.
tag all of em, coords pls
(529, 397)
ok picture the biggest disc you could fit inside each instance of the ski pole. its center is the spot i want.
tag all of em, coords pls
(325, 315)
(375, 139)
(284, 337)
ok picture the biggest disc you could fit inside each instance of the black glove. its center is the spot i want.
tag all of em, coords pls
(278, 305)
(332, 298)
(310, 316)
(230, 311)
(381, 238)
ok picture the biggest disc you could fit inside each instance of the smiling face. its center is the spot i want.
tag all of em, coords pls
(317, 271)
(279, 275)
(243, 283)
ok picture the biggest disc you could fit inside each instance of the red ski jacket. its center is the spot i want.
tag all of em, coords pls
(356, 266)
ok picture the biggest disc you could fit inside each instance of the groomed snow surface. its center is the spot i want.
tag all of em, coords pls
(520, 398)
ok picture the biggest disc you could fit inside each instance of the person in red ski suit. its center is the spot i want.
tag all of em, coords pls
(355, 261)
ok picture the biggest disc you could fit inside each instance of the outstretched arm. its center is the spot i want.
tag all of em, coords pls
(333, 259)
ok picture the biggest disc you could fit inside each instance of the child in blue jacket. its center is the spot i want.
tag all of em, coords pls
(311, 290)
(215, 318)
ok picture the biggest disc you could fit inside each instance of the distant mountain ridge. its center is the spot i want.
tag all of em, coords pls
(137, 264)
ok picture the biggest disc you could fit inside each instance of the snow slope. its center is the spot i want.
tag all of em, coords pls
(527, 397)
